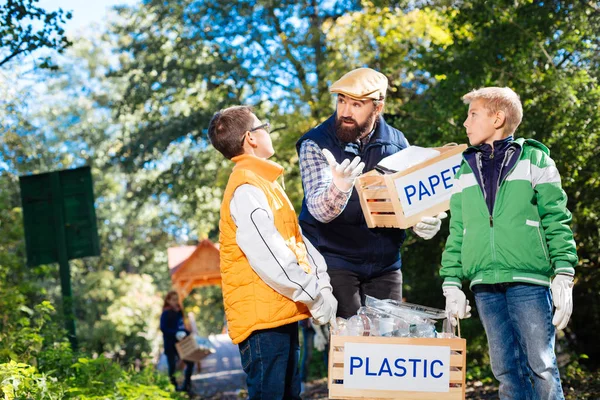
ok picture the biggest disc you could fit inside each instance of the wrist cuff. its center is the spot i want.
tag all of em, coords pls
(563, 268)
(452, 282)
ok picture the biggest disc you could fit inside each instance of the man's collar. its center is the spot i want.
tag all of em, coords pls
(367, 138)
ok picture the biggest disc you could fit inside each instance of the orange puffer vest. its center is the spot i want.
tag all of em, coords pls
(250, 304)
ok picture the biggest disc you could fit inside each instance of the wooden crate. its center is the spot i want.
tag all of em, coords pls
(458, 360)
(190, 350)
(380, 201)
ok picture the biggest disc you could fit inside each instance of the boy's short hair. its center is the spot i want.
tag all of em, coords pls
(499, 99)
(227, 128)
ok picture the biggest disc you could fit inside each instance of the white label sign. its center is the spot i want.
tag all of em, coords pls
(428, 186)
(397, 367)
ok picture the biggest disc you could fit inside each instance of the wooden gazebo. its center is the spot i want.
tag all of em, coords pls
(194, 266)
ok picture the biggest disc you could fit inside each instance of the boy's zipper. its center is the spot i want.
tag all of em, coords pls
(498, 188)
(492, 244)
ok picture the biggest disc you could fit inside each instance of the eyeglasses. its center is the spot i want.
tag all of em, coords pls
(266, 126)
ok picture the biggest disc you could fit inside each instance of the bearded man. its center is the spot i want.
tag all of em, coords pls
(360, 261)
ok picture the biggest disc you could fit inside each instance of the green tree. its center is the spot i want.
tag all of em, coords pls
(548, 52)
(24, 28)
(63, 124)
(119, 315)
(196, 57)
(390, 38)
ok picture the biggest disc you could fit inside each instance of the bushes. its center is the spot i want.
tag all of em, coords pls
(103, 378)
(118, 314)
(98, 378)
(22, 381)
(36, 362)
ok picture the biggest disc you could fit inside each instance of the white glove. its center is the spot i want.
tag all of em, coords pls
(429, 226)
(562, 296)
(324, 308)
(320, 340)
(344, 174)
(457, 304)
(180, 335)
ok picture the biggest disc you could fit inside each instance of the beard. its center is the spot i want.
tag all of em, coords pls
(351, 133)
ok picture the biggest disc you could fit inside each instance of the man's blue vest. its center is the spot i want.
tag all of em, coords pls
(346, 242)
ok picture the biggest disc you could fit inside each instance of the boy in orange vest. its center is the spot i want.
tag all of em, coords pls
(271, 277)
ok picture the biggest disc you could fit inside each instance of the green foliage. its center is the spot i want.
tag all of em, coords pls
(22, 381)
(198, 62)
(119, 315)
(141, 124)
(22, 332)
(103, 378)
(89, 379)
(207, 305)
(548, 53)
(579, 382)
(36, 362)
(390, 38)
(17, 33)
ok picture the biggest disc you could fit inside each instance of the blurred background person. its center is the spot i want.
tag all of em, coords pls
(173, 329)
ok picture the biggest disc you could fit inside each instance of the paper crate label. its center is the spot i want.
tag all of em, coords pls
(428, 186)
(396, 367)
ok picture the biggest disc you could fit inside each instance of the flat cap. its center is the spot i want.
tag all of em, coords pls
(361, 84)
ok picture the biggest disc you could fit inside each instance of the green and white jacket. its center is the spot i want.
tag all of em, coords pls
(526, 238)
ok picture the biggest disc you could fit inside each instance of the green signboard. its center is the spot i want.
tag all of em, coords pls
(59, 201)
(60, 225)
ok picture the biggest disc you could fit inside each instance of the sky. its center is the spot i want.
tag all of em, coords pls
(84, 12)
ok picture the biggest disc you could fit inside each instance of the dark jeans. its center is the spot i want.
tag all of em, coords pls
(350, 289)
(172, 358)
(270, 360)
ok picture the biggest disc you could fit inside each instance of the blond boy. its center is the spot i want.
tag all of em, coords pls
(509, 236)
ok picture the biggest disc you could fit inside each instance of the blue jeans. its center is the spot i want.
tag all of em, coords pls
(518, 323)
(270, 360)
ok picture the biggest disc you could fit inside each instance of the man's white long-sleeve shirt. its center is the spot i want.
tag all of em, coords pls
(269, 255)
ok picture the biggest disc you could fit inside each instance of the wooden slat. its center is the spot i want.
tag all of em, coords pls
(398, 211)
(385, 221)
(380, 206)
(365, 181)
(365, 208)
(379, 193)
(337, 373)
(456, 360)
(338, 357)
(339, 392)
(456, 376)
(454, 344)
